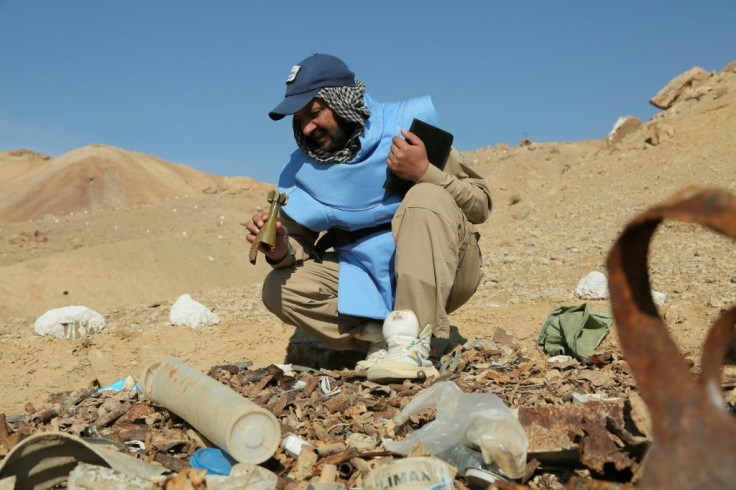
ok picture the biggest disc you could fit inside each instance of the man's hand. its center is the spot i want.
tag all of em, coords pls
(281, 247)
(408, 157)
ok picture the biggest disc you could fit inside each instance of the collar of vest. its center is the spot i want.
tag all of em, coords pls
(371, 135)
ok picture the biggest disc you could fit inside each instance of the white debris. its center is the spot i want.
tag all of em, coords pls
(593, 286)
(186, 311)
(589, 397)
(362, 442)
(659, 298)
(324, 384)
(293, 444)
(286, 368)
(559, 359)
(619, 122)
(70, 322)
(86, 475)
(246, 475)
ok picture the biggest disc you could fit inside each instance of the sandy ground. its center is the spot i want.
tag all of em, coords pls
(558, 207)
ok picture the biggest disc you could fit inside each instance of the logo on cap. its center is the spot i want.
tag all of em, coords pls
(292, 74)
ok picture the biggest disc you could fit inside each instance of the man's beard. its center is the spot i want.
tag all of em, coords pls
(337, 138)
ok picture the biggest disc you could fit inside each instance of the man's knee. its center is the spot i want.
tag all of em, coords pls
(430, 197)
(273, 285)
(428, 204)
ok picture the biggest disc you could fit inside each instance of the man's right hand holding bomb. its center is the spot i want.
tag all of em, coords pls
(280, 248)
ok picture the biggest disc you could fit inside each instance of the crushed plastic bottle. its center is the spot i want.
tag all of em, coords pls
(470, 430)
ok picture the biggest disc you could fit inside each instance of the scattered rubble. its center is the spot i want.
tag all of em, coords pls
(27, 238)
(361, 410)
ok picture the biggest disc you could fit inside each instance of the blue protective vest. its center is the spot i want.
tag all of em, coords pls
(350, 196)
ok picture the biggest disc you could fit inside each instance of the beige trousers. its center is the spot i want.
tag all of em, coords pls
(438, 268)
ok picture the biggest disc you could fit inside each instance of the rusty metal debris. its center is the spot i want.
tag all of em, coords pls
(592, 433)
(694, 435)
(339, 423)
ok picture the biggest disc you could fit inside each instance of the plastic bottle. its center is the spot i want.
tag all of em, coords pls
(464, 422)
(247, 432)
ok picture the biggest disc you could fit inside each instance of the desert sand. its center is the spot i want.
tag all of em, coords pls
(125, 234)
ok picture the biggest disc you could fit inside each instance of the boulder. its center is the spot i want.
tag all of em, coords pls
(658, 132)
(70, 322)
(186, 311)
(666, 97)
(625, 125)
(593, 286)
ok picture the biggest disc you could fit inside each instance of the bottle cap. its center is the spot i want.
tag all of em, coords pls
(215, 461)
(255, 436)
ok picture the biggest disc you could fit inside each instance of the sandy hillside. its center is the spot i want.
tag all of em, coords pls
(126, 234)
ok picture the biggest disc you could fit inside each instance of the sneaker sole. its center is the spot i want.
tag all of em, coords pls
(385, 372)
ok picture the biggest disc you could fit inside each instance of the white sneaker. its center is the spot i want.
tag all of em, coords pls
(376, 353)
(408, 350)
(372, 332)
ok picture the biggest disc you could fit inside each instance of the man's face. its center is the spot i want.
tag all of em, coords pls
(322, 128)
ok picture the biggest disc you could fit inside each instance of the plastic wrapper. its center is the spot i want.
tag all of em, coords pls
(470, 430)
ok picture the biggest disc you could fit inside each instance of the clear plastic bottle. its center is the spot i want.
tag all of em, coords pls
(465, 421)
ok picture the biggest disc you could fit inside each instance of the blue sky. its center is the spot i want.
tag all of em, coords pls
(192, 81)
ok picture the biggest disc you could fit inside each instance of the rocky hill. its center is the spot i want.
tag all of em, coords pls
(95, 178)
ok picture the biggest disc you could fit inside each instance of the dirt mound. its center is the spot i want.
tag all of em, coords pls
(93, 178)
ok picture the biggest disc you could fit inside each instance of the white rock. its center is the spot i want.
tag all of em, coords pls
(625, 125)
(659, 298)
(593, 286)
(559, 359)
(70, 322)
(186, 311)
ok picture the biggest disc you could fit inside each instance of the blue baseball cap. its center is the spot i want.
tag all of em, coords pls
(307, 77)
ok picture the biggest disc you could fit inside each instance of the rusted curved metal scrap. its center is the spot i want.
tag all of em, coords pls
(694, 436)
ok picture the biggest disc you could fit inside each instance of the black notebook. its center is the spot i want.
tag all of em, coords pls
(438, 143)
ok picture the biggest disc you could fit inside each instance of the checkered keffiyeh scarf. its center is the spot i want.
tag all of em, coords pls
(346, 102)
